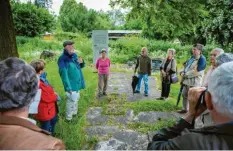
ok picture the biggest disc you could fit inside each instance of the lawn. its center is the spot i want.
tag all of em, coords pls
(73, 134)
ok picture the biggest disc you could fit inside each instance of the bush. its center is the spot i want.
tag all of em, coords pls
(30, 20)
(127, 48)
(29, 47)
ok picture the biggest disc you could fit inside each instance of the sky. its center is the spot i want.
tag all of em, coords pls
(94, 4)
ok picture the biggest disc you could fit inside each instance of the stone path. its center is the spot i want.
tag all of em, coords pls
(120, 83)
(110, 123)
(113, 131)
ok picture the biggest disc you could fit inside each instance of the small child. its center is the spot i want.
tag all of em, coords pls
(47, 109)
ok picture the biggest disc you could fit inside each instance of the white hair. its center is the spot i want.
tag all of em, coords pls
(221, 88)
(144, 48)
(172, 50)
(223, 58)
(219, 50)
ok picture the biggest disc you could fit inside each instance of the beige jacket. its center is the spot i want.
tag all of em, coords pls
(171, 65)
(192, 76)
(20, 134)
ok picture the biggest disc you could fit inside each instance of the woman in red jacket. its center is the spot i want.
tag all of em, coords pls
(47, 109)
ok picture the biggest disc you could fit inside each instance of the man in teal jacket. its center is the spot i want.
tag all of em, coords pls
(71, 74)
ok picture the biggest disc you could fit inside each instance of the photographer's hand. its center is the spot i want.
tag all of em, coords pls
(193, 97)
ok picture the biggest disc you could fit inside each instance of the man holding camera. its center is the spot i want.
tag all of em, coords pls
(193, 73)
(218, 100)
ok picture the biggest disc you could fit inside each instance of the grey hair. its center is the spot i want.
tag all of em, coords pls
(221, 88)
(172, 50)
(223, 58)
(144, 48)
(18, 84)
(219, 50)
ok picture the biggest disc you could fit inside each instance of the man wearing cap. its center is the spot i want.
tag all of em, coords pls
(193, 73)
(18, 87)
(70, 66)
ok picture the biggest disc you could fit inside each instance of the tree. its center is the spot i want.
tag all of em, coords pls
(47, 4)
(117, 18)
(219, 23)
(30, 20)
(75, 17)
(167, 18)
(8, 46)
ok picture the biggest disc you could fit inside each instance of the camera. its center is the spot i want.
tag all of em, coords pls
(201, 100)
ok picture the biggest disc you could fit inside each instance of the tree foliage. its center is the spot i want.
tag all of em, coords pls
(219, 23)
(117, 18)
(30, 20)
(75, 17)
(165, 18)
(44, 3)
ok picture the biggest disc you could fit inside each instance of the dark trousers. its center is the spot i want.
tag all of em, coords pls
(49, 125)
(165, 89)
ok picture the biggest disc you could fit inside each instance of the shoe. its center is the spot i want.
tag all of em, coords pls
(160, 98)
(182, 111)
(99, 95)
(165, 99)
(68, 120)
(137, 91)
(146, 94)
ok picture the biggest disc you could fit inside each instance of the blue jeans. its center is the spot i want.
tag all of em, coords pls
(145, 79)
(49, 125)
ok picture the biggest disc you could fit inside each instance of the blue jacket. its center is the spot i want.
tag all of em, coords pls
(70, 72)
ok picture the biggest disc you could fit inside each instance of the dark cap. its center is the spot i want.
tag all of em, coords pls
(69, 42)
(199, 46)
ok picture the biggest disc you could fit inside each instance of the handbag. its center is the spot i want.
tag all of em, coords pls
(174, 77)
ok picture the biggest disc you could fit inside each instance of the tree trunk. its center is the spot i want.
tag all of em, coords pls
(8, 46)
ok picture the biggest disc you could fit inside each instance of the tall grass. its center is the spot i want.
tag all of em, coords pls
(73, 134)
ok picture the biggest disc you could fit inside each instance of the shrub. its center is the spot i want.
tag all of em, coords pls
(127, 48)
(30, 20)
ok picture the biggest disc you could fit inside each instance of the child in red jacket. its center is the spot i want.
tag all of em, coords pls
(47, 109)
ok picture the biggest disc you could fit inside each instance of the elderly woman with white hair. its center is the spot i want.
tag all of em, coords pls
(167, 68)
(205, 118)
(214, 53)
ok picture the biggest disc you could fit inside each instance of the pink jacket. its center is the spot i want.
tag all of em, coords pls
(103, 66)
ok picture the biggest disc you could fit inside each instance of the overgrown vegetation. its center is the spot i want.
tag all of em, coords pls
(30, 20)
(151, 127)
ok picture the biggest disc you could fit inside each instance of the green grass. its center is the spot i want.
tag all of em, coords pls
(149, 127)
(73, 134)
(146, 106)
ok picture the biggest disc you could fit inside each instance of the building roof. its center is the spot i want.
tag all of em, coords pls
(124, 31)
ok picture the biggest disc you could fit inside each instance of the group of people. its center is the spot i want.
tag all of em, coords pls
(20, 82)
(207, 102)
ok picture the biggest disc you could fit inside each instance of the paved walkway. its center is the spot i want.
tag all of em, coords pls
(111, 123)
(120, 83)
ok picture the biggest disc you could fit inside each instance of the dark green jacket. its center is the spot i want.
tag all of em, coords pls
(70, 72)
(183, 136)
(144, 65)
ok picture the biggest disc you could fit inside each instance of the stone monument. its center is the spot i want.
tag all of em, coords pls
(100, 41)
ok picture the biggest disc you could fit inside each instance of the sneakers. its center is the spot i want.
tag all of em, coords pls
(137, 91)
(146, 95)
